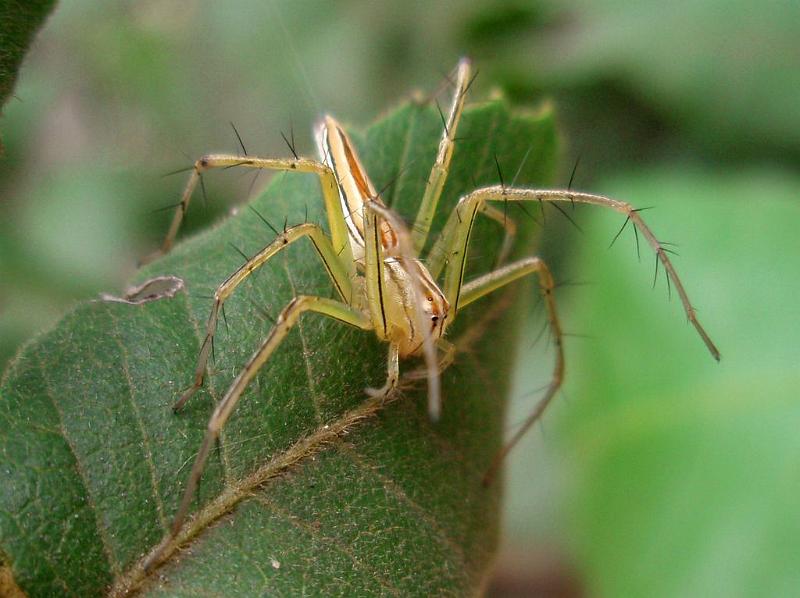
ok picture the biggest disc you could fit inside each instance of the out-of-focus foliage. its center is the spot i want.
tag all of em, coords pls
(18, 24)
(658, 453)
(679, 474)
(687, 480)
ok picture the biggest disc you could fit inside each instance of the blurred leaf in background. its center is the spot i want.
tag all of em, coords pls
(679, 475)
(658, 472)
(687, 482)
(19, 22)
(663, 479)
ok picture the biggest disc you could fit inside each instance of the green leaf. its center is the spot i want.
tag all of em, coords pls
(312, 488)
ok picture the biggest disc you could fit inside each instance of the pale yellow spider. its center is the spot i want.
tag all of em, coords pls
(372, 259)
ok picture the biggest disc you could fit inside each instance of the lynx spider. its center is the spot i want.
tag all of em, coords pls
(372, 258)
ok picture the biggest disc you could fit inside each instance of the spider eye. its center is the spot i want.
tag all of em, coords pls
(434, 318)
(430, 298)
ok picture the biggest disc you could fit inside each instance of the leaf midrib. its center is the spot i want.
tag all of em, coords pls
(233, 494)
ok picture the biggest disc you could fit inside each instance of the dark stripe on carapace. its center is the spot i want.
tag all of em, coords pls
(380, 278)
(356, 170)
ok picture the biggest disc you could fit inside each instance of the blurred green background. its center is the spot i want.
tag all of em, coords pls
(657, 472)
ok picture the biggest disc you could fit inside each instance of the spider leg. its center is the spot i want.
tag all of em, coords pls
(497, 279)
(455, 239)
(438, 176)
(284, 323)
(334, 264)
(327, 179)
(392, 375)
(377, 296)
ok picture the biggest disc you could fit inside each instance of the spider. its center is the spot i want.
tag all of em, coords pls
(373, 261)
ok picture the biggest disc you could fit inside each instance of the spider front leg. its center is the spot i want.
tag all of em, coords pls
(455, 238)
(336, 267)
(328, 183)
(450, 253)
(441, 167)
(286, 320)
(392, 374)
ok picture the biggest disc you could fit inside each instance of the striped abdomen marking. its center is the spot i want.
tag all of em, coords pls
(355, 189)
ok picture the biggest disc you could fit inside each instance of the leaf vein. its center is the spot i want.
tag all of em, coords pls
(148, 453)
(315, 533)
(393, 488)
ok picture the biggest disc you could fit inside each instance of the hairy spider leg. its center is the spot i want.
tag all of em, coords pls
(284, 323)
(334, 265)
(450, 252)
(333, 208)
(441, 167)
(457, 230)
